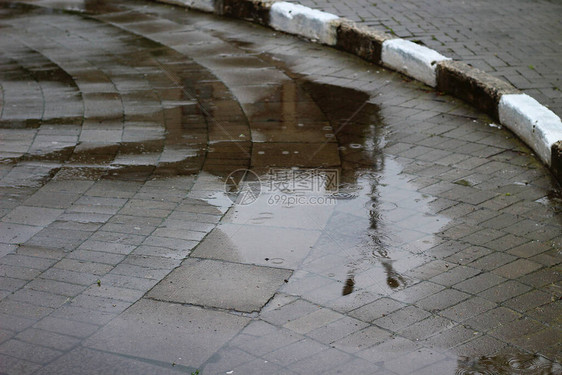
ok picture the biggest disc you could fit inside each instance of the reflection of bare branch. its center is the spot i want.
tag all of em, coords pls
(393, 278)
(349, 285)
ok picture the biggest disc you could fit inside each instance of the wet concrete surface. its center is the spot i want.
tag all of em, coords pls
(182, 192)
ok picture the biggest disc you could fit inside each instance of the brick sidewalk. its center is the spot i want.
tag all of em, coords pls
(120, 252)
(519, 41)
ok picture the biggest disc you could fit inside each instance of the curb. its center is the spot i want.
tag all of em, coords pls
(533, 123)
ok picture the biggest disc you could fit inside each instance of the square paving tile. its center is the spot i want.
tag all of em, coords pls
(39, 216)
(267, 246)
(92, 362)
(16, 233)
(213, 283)
(169, 333)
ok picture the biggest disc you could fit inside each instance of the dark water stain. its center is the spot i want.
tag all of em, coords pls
(30, 123)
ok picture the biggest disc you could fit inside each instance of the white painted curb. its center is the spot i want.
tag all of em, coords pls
(535, 124)
(416, 61)
(297, 19)
(202, 5)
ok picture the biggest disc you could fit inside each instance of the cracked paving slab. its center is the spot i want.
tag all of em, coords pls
(229, 286)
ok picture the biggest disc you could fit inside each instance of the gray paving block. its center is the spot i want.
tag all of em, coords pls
(38, 216)
(219, 284)
(168, 332)
(92, 362)
(286, 248)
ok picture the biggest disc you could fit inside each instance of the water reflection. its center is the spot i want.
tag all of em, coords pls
(349, 286)
(358, 129)
(520, 363)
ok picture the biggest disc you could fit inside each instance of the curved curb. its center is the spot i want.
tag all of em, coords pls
(533, 123)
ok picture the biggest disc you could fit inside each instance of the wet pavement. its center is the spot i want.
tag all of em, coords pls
(182, 192)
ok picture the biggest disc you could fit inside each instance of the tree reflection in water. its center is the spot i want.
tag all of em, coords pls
(358, 129)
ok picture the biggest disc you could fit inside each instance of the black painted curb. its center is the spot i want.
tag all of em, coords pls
(361, 41)
(248, 10)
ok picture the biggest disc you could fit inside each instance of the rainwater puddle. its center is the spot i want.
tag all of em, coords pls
(366, 223)
(518, 364)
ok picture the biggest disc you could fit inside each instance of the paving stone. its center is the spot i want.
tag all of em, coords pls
(32, 215)
(427, 327)
(362, 339)
(77, 314)
(313, 321)
(455, 275)
(467, 309)
(358, 366)
(388, 350)
(376, 309)
(160, 263)
(38, 298)
(259, 365)
(417, 292)
(27, 262)
(401, 318)
(18, 349)
(107, 247)
(124, 269)
(295, 352)
(227, 285)
(71, 277)
(128, 282)
(96, 256)
(468, 255)
(516, 329)
(479, 283)
(529, 300)
(15, 323)
(17, 233)
(154, 323)
(261, 338)
(18, 366)
(517, 268)
(545, 341)
(288, 312)
(492, 261)
(226, 359)
(480, 346)
(322, 361)
(542, 277)
(237, 243)
(53, 340)
(416, 360)
(83, 266)
(118, 293)
(24, 310)
(492, 319)
(88, 361)
(430, 269)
